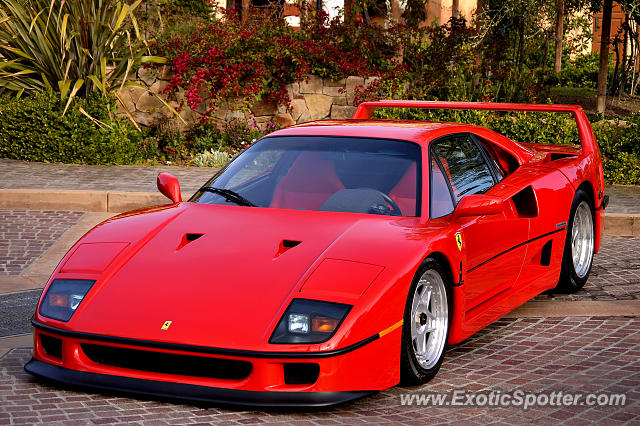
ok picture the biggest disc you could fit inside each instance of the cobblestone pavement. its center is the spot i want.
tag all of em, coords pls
(26, 175)
(578, 354)
(26, 234)
(615, 274)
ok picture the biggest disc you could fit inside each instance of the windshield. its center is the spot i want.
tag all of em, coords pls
(343, 174)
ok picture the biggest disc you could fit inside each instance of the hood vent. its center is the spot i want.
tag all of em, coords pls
(187, 238)
(286, 245)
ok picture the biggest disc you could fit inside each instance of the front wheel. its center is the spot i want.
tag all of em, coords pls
(579, 245)
(426, 324)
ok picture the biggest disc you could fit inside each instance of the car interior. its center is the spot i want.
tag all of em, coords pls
(380, 180)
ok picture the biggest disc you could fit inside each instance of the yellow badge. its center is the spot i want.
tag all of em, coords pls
(166, 325)
(459, 240)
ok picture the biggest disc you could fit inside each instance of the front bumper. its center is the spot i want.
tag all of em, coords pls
(189, 392)
(158, 369)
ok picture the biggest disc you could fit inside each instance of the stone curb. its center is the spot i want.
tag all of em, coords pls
(93, 201)
(576, 308)
(122, 201)
(622, 224)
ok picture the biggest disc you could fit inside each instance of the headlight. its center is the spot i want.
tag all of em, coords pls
(63, 298)
(309, 321)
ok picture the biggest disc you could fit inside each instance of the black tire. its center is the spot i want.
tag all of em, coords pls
(411, 372)
(571, 280)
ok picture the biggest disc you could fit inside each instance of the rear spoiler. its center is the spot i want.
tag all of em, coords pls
(587, 139)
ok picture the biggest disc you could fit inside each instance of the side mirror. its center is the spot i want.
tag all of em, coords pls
(478, 205)
(169, 186)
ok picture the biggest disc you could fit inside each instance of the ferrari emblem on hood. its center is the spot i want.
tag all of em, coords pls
(459, 240)
(166, 325)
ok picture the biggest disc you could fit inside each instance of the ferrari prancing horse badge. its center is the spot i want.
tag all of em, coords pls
(459, 240)
(166, 325)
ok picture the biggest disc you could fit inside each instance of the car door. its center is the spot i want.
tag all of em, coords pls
(491, 245)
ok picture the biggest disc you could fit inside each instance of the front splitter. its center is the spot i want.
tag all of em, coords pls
(188, 392)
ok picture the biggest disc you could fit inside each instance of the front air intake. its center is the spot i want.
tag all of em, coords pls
(301, 373)
(51, 345)
(168, 363)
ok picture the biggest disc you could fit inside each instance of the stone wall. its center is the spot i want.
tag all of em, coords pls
(313, 99)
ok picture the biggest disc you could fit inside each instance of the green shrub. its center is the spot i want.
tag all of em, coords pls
(206, 137)
(581, 71)
(177, 146)
(524, 127)
(212, 159)
(33, 128)
(184, 147)
(238, 134)
(620, 149)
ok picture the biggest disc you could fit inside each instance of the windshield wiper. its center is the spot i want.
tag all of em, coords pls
(229, 195)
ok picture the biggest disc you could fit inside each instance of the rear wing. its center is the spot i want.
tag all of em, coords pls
(587, 138)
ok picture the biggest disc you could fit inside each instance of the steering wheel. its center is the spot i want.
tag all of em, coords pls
(395, 209)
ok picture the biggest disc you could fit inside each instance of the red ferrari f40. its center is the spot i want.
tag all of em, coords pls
(328, 261)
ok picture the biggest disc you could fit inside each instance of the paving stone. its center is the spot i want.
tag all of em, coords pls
(615, 274)
(28, 175)
(26, 234)
(567, 354)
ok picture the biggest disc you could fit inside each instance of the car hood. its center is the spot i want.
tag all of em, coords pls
(223, 286)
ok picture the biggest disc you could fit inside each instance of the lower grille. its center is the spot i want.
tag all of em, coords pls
(301, 373)
(51, 345)
(168, 363)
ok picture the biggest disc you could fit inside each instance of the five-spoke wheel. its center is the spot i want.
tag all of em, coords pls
(579, 245)
(426, 324)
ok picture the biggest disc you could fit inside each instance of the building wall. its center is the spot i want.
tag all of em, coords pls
(441, 11)
(617, 19)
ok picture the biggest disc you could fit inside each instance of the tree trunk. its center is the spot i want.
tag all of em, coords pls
(625, 41)
(455, 9)
(521, 44)
(477, 57)
(604, 56)
(543, 64)
(557, 66)
(613, 87)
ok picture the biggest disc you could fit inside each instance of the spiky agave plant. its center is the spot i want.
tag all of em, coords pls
(72, 47)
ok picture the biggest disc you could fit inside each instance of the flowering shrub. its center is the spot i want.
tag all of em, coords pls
(238, 135)
(252, 60)
(255, 59)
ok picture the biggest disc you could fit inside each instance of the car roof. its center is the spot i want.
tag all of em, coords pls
(415, 131)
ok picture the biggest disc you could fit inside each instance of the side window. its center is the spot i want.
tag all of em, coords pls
(440, 203)
(464, 165)
(501, 160)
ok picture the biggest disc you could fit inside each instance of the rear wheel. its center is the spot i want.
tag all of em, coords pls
(426, 324)
(579, 245)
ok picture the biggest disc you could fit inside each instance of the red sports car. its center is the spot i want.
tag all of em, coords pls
(328, 261)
